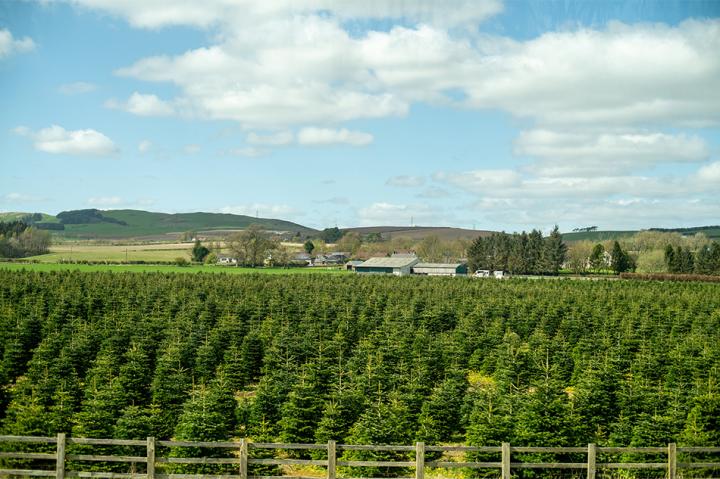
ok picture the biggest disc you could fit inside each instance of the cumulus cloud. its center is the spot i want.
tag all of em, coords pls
(311, 136)
(9, 45)
(710, 174)
(162, 13)
(405, 181)
(77, 88)
(570, 153)
(142, 105)
(57, 140)
(308, 69)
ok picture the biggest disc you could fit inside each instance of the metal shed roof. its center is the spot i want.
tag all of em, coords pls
(437, 265)
(389, 262)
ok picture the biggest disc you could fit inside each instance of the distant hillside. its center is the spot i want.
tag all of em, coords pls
(709, 231)
(712, 232)
(27, 217)
(123, 224)
(419, 232)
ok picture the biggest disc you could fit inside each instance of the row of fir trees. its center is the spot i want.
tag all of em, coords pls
(683, 260)
(370, 360)
(519, 253)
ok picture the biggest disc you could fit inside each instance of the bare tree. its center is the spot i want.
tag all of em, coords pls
(250, 245)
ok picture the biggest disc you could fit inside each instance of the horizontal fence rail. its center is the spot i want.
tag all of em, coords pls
(66, 464)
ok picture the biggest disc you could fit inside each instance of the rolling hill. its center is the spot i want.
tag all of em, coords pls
(125, 224)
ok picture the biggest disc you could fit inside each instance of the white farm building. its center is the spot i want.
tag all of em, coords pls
(440, 269)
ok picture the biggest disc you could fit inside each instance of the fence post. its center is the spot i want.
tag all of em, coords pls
(60, 457)
(591, 460)
(672, 460)
(332, 460)
(420, 460)
(243, 458)
(150, 458)
(505, 460)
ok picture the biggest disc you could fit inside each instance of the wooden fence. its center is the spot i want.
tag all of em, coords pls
(65, 464)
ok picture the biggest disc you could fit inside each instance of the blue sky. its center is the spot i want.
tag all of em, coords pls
(489, 114)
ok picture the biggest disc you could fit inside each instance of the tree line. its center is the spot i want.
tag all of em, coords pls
(18, 239)
(519, 253)
(704, 261)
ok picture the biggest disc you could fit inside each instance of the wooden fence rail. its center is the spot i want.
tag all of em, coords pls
(243, 458)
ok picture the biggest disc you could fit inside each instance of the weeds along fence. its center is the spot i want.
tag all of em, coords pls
(71, 457)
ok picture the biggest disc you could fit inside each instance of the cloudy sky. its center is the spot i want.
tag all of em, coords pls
(473, 113)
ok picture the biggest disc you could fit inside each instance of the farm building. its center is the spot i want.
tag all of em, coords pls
(440, 269)
(396, 266)
(351, 265)
(224, 259)
(301, 259)
(331, 259)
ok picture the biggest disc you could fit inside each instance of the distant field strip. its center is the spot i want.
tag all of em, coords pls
(149, 252)
(149, 268)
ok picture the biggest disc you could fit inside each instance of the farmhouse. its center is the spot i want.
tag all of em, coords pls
(440, 269)
(224, 259)
(331, 259)
(396, 266)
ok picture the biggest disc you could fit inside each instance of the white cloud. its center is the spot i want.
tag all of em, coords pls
(312, 136)
(624, 74)
(144, 146)
(263, 210)
(570, 153)
(161, 13)
(283, 63)
(77, 88)
(142, 105)
(10, 45)
(105, 201)
(191, 149)
(275, 139)
(405, 181)
(58, 140)
(629, 213)
(710, 174)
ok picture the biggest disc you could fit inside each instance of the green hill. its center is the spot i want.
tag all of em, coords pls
(121, 224)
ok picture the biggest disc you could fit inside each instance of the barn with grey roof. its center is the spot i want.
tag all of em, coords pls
(396, 266)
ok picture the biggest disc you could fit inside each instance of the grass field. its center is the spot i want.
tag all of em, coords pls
(143, 268)
(86, 252)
